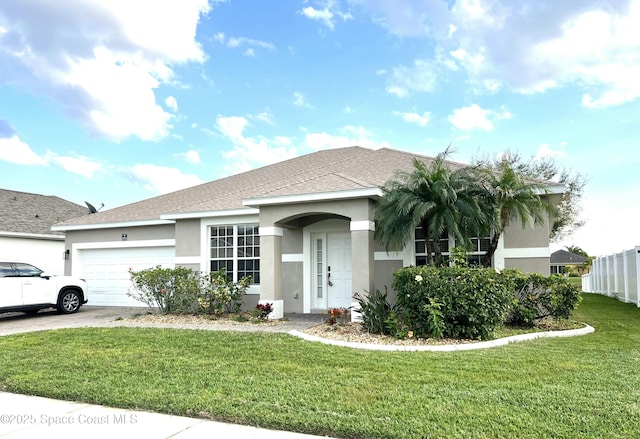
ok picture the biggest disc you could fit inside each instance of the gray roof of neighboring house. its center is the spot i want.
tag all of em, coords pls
(25, 213)
(332, 170)
(564, 257)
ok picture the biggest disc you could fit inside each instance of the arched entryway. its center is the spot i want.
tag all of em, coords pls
(327, 256)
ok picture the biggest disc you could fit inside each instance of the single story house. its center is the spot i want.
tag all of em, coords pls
(561, 259)
(25, 228)
(302, 228)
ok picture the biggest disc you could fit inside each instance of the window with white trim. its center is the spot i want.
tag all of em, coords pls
(236, 248)
(479, 247)
(421, 251)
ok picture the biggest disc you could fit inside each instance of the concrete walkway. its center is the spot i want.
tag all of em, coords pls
(96, 316)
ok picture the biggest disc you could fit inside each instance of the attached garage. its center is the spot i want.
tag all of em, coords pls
(107, 270)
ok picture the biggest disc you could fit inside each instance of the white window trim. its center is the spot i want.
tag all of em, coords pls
(205, 249)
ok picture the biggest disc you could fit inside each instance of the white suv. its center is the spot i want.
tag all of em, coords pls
(24, 287)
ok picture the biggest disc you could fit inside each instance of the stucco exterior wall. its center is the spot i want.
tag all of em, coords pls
(516, 237)
(384, 277)
(162, 231)
(292, 287)
(529, 265)
(188, 239)
(357, 210)
(140, 233)
(292, 241)
(46, 254)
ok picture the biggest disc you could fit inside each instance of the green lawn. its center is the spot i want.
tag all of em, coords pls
(575, 281)
(585, 386)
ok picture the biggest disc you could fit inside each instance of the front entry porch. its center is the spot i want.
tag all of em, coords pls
(328, 255)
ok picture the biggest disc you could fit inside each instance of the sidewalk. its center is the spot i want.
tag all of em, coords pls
(23, 416)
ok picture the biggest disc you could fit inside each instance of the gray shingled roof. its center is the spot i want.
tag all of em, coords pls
(564, 257)
(325, 171)
(22, 212)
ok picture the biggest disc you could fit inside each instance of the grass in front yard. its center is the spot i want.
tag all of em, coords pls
(585, 386)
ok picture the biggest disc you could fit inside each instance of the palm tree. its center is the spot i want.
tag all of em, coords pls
(576, 250)
(511, 195)
(433, 197)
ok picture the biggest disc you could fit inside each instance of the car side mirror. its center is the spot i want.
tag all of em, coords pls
(45, 275)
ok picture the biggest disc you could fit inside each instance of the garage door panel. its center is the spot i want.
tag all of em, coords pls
(107, 271)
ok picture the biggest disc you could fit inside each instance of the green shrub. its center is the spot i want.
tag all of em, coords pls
(172, 290)
(457, 302)
(375, 310)
(185, 291)
(220, 294)
(539, 296)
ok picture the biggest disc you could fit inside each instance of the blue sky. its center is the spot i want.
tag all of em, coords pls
(114, 102)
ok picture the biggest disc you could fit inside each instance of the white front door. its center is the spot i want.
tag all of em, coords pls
(338, 276)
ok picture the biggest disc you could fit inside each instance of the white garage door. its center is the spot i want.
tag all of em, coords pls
(107, 271)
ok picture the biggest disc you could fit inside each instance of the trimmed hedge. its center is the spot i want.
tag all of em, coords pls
(468, 302)
(471, 303)
(540, 296)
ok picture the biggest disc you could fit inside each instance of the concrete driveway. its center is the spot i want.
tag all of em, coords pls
(14, 323)
(98, 316)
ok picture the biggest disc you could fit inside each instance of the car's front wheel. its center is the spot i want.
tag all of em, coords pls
(69, 302)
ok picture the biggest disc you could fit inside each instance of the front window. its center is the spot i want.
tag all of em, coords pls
(421, 251)
(236, 248)
(479, 247)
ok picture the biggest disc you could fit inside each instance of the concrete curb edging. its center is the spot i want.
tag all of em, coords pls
(446, 348)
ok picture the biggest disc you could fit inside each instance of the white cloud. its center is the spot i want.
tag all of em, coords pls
(251, 152)
(408, 18)
(171, 103)
(76, 164)
(191, 156)
(232, 126)
(324, 16)
(234, 42)
(14, 150)
(162, 179)
(415, 118)
(327, 15)
(545, 151)
(219, 37)
(528, 46)
(266, 116)
(421, 77)
(475, 117)
(102, 61)
(300, 101)
(349, 135)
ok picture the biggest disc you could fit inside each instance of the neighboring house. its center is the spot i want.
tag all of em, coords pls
(561, 259)
(303, 228)
(25, 228)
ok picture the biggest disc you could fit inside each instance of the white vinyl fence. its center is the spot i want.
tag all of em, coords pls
(615, 275)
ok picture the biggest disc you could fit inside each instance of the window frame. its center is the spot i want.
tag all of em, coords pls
(232, 257)
(474, 257)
